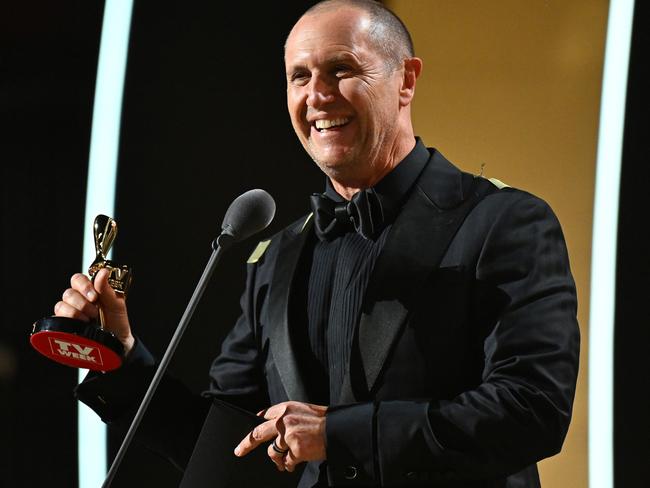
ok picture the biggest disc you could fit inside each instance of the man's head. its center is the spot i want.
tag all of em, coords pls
(350, 81)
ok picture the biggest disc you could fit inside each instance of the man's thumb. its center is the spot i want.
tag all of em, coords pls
(108, 299)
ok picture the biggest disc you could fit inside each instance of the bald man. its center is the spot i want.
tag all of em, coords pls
(417, 328)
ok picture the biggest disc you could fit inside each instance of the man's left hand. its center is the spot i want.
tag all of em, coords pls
(298, 431)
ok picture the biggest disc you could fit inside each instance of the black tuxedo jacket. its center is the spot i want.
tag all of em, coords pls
(465, 356)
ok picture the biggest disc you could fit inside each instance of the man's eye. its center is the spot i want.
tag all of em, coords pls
(299, 77)
(342, 70)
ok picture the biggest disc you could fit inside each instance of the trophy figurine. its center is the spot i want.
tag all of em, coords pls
(81, 344)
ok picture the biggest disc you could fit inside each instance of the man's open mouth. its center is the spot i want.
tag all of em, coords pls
(324, 125)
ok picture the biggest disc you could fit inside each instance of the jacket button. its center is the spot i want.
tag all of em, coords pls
(350, 473)
(411, 475)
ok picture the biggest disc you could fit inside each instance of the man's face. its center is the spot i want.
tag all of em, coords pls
(342, 97)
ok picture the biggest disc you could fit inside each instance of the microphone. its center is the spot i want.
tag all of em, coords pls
(249, 213)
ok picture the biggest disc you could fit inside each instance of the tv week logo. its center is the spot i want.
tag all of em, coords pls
(75, 351)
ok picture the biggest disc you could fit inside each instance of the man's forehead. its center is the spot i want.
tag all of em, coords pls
(328, 55)
(332, 35)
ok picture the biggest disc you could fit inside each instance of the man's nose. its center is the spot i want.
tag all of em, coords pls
(321, 92)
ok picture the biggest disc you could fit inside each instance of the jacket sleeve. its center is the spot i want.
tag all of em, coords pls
(520, 411)
(173, 419)
(237, 374)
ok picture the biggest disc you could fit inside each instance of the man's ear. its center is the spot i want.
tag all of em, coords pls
(412, 69)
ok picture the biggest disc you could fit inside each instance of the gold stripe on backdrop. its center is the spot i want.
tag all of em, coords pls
(516, 86)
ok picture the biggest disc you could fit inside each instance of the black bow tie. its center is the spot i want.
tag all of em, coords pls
(363, 214)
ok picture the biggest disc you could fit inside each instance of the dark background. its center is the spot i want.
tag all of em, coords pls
(204, 119)
(632, 333)
(47, 80)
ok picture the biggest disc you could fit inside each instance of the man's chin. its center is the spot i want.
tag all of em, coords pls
(330, 161)
(334, 167)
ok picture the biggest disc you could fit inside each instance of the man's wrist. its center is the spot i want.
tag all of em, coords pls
(129, 344)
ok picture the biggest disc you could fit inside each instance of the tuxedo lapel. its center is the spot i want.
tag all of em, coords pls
(291, 246)
(414, 247)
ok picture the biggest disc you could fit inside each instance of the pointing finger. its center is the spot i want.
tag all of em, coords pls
(262, 433)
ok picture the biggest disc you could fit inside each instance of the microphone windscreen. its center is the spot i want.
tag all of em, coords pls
(248, 214)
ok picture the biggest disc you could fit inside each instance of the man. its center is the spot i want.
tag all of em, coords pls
(418, 328)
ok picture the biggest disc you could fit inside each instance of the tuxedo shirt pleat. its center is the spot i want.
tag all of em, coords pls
(338, 277)
(333, 311)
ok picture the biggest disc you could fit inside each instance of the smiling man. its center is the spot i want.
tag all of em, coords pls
(417, 328)
(349, 99)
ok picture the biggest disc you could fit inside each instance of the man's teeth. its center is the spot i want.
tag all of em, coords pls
(326, 124)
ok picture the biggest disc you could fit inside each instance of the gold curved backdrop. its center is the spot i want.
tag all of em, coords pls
(515, 86)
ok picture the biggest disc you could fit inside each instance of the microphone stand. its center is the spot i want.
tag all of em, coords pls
(218, 246)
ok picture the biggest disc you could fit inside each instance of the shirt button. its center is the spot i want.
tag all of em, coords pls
(350, 473)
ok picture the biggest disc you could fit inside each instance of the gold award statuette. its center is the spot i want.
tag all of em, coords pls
(81, 344)
(105, 232)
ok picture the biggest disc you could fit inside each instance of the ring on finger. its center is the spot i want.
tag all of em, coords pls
(278, 449)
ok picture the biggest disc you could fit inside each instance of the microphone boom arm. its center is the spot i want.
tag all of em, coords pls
(164, 363)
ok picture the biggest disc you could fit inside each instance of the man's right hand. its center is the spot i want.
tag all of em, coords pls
(82, 299)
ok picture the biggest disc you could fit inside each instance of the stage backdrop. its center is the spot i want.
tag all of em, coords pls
(515, 86)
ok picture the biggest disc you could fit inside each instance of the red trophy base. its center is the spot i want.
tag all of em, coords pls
(77, 344)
